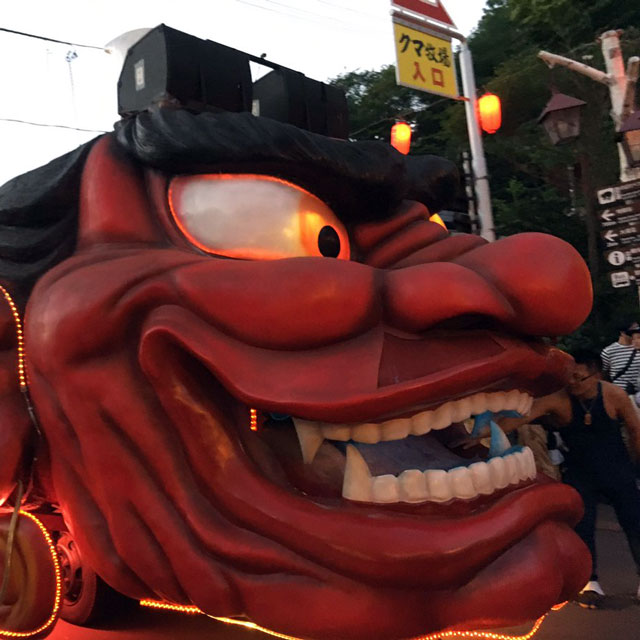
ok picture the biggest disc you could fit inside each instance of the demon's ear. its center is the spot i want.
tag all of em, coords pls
(15, 423)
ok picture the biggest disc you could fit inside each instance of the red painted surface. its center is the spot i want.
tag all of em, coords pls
(146, 355)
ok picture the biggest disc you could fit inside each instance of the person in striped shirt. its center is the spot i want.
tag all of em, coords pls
(621, 360)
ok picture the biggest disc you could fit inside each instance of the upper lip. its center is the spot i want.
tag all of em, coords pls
(341, 382)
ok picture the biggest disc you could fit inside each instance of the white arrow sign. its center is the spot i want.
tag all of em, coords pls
(607, 215)
(610, 235)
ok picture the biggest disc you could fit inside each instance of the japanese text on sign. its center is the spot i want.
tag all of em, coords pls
(424, 61)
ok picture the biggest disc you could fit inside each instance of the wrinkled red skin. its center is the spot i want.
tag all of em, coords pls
(145, 355)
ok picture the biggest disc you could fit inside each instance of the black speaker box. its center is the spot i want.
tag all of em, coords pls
(171, 67)
(289, 96)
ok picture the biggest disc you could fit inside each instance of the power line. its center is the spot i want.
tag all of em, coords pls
(31, 35)
(55, 126)
(343, 8)
(404, 114)
(306, 15)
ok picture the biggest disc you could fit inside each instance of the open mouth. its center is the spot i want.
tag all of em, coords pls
(410, 456)
(408, 459)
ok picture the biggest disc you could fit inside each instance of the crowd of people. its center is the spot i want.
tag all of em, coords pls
(588, 435)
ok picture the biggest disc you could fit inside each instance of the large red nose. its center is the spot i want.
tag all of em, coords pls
(531, 283)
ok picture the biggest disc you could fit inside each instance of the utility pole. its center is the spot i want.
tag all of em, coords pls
(479, 164)
(621, 84)
(429, 14)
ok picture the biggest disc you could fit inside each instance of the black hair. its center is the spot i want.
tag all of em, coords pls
(39, 221)
(589, 359)
(360, 180)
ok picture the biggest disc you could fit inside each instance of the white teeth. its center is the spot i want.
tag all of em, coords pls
(413, 487)
(498, 473)
(523, 405)
(481, 478)
(385, 489)
(367, 432)
(433, 485)
(357, 479)
(399, 428)
(461, 483)
(442, 417)
(395, 429)
(461, 410)
(310, 437)
(478, 403)
(513, 471)
(512, 400)
(523, 465)
(421, 423)
(438, 486)
(496, 401)
(340, 432)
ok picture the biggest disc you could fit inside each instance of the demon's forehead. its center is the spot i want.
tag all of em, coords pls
(360, 180)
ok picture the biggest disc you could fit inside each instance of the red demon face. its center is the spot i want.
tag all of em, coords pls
(248, 399)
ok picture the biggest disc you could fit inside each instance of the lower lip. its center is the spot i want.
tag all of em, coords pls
(545, 568)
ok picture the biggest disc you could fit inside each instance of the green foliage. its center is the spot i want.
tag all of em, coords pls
(531, 181)
(376, 102)
(568, 24)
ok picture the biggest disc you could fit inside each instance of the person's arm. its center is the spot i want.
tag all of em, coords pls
(626, 412)
(555, 404)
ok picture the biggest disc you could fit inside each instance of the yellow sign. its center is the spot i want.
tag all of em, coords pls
(424, 61)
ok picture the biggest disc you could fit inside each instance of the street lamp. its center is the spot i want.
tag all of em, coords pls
(630, 138)
(561, 118)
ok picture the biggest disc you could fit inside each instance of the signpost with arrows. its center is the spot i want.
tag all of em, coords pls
(620, 221)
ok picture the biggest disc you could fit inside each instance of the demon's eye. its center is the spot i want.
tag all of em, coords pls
(255, 217)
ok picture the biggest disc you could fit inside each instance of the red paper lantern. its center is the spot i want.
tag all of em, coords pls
(490, 112)
(401, 137)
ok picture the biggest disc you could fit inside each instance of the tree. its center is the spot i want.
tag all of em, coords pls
(376, 102)
(534, 185)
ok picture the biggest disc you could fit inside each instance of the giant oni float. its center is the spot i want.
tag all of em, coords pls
(235, 353)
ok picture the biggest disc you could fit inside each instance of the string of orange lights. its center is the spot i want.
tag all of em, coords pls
(22, 369)
(441, 635)
(58, 593)
(23, 379)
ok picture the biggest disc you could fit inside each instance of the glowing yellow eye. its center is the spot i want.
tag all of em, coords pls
(255, 217)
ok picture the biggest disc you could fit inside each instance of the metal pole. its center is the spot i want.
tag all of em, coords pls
(481, 179)
(468, 189)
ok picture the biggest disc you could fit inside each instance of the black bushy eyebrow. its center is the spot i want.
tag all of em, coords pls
(361, 181)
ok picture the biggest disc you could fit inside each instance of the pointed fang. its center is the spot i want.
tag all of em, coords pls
(499, 441)
(310, 438)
